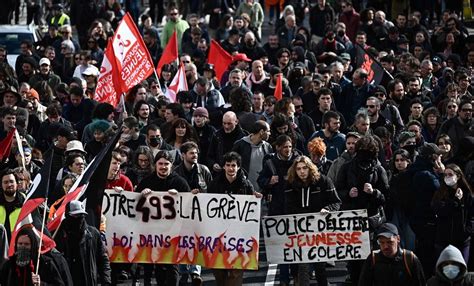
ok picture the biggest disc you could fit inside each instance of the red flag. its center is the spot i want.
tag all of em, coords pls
(170, 54)
(278, 94)
(36, 195)
(179, 83)
(133, 59)
(108, 87)
(6, 145)
(220, 58)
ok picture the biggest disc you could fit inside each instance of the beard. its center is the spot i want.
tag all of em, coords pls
(9, 192)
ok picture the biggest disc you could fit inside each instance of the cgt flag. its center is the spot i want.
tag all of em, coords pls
(170, 54)
(178, 84)
(96, 174)
(373, 67)
(36, 195)
(220, 58)
(108, 87)
(133, 59)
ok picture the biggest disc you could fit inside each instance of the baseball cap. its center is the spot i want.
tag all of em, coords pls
(429, 149)
(241, 57)
(76, 208)
(387, 230)
(44, 61)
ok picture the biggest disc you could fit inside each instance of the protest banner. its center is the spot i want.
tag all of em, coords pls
(304, 238)
(212, 230)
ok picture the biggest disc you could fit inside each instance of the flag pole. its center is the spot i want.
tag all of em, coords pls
(375, 60)
(41, 235)
(19, 144)
(157, 79)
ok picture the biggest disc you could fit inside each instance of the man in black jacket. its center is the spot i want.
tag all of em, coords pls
(223, 140)
(83, 248)
(163, 180)
(391, 265)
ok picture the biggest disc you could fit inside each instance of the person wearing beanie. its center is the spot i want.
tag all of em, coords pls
(204, 131)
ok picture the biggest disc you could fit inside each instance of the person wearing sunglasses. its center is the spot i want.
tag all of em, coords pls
(174, 23)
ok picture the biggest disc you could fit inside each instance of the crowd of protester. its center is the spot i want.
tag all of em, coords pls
(402, 147)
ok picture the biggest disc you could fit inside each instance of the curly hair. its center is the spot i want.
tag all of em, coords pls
(367, 143)
(317, 147)
(313, 175)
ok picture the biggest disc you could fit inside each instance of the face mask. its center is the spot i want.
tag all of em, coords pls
(451, 181)
(451, 271)
(154, 142)
(22, 256)
(410, 148)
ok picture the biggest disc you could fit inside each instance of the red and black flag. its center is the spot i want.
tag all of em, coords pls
(90, 185)
(373, 67)
(36, 195)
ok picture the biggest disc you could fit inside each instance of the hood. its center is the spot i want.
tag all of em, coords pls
(451, 254)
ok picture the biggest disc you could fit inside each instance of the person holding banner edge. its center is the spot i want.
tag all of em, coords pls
(163, 180)
(233, 182)
(310, 192)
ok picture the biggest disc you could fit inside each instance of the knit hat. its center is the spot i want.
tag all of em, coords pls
(201, 111)
(34, 93)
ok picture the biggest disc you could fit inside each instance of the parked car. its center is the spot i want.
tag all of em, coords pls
(11, 37)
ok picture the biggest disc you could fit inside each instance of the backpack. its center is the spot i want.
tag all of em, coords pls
(408, 260)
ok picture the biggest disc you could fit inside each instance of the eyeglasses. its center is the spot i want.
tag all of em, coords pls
(379, 94)
(298, 106)
(370, 106)
(466, 110)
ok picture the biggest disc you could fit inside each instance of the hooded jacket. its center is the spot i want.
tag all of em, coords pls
(453, 255)
(320, 194)
(423, 184)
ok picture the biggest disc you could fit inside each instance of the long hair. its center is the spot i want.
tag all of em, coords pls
(445, 192)
(313, 175)
(143, 150)
(190, 133)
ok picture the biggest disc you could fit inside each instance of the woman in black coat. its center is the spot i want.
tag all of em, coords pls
(453, 206)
